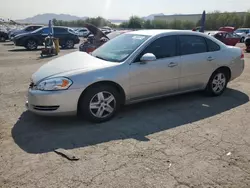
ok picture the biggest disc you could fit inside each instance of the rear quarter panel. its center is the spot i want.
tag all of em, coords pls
(232, 59)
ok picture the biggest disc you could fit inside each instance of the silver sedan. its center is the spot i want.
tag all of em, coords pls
(130, 68)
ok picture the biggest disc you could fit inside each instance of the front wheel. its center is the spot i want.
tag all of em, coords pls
(31, 45)
(99, 103)
(242, 39)
(2, 39)
(217, 83)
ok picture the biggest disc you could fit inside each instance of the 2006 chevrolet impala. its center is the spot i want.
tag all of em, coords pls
(133, 67)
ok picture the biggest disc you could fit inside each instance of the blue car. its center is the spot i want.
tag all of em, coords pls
(27, 29)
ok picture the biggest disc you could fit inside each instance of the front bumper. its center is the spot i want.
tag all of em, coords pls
(77, 41)
(53, 102)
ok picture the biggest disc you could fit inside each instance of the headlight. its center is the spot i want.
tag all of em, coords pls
(54, 84)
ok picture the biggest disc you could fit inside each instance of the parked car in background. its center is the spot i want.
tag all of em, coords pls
(227, 29)
(67, 38)
(98, 38)
(3, 35)
(106, 31)
(227, 38)
(82, 32)
(243, 33)
(130, 68)
(27, 29)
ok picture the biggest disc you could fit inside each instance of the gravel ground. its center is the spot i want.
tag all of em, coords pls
(186, 141)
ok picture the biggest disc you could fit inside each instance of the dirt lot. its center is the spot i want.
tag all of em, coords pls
(187, 141)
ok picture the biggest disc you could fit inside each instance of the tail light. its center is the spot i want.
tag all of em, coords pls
(242, 54)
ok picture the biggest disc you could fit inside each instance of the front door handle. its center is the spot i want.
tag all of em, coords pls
(210, 58)
(172, 64)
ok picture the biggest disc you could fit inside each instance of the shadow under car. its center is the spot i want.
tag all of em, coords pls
(35, 134)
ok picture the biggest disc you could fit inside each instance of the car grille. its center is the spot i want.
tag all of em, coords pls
(45, 108)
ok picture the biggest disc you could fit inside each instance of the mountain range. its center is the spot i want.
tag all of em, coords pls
(44, 18)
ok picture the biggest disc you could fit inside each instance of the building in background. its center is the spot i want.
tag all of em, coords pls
(185, 17)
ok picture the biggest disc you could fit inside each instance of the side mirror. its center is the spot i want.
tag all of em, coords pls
(147, 58)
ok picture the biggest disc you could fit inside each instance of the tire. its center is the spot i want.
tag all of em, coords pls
(217, 83)
(105, 102)
(69, 44)
(2, 39)
(31, 44)
(242, 39)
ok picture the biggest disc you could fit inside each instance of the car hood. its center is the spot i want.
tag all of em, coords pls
(20, 35)
(95, 31)
(19, 32)
(74, 61)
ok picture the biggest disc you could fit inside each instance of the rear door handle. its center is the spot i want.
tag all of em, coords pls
(172, 64)
(210, 59)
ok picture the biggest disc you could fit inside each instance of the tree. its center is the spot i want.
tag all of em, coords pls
(159, 24)
(188, 25)
(54, 22)
(214, 21)
(246, 22)
(124, 25)
(135, 22)
(147, 25)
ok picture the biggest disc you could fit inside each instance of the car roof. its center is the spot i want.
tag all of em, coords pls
(154, 32)
(58, 27)
(34, 25)
(242, 28)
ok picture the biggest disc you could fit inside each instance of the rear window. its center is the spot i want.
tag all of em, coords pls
(212, 46)
(242, 31)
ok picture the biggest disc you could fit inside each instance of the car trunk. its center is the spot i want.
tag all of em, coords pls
(227, 29)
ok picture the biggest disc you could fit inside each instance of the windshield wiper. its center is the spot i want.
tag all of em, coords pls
(101, 58)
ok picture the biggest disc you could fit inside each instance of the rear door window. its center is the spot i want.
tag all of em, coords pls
(30, 28)
(190, 44)
(212, 46)
(36, 27)
(59, 30)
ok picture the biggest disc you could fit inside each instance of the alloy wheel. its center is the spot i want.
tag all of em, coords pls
(31, 45)
(219, 82)
(70, 44)
(2, 39)
(102, 104)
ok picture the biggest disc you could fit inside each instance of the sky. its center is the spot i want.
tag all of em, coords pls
(115, 9)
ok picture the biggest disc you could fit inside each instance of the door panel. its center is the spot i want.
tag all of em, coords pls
(156, 77)
(197, 63)
(196, 70)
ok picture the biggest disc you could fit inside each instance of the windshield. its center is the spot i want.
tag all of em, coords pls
(119, 48)
(37, 30)
(241, 31)
(113, 34)
(71, 31)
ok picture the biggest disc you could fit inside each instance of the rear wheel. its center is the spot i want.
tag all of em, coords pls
(217, 83)
(31, 44)
(69, 44)
(242, 39)
(99, 103)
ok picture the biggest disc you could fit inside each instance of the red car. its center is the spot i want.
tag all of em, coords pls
(227, 29)
(227, 38)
